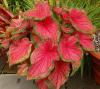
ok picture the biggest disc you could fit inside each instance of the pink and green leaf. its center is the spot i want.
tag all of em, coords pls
(19, 51)
(80, 21)
(41, 11)
(48, 28)
(86, 41)
(60, 74)
(42, 60)
(41, 84)
(69, 50)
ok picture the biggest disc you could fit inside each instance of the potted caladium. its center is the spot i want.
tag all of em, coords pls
(47, 43)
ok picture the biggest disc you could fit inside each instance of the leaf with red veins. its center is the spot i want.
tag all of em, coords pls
(47, 28)
(22, 69)
(81, 21)
(42, 60)
(69, 50)
(19, 51)
(41, 84)
(41, 11)
(60, 74)
(86, 41)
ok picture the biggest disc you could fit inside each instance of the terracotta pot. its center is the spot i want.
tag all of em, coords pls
(96, 66)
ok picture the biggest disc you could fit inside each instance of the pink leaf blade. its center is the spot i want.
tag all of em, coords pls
(86, 41)
(69, 51)
(81, 22)
(47, 29)
(42, 60)
(41, 84)
(40, 70)
(19, 51)
(41, 11)
(60, 74)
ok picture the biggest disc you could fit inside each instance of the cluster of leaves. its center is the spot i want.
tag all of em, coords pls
(47, 43)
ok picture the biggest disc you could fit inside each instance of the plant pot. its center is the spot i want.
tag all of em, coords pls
(96, 66)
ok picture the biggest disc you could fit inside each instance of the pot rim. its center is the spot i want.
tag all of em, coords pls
(96, 54)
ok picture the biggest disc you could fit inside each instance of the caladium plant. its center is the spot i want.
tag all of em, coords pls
(47, 43)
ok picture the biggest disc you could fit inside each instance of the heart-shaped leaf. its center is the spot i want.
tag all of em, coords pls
(19, 51)
(42, 60)
(86, 41)
(60, 74)
(41, 11)
(80, 21)
(47, 28)
(69, 50)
